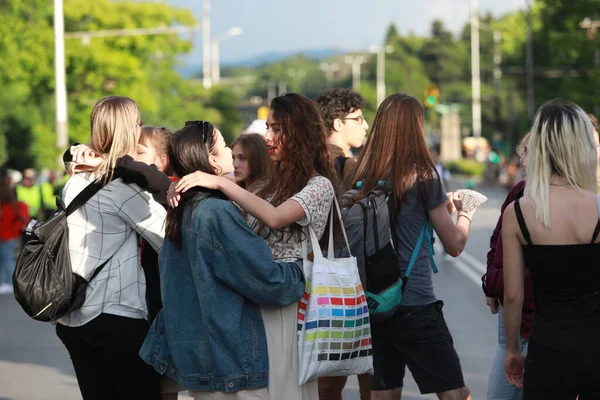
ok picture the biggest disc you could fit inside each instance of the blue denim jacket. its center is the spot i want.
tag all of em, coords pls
(210, 334)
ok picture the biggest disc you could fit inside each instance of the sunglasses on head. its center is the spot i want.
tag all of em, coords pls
(203, 125)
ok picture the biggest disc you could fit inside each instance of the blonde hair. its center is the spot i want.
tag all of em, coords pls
(114, 127)
(562, 144)
(523, 143)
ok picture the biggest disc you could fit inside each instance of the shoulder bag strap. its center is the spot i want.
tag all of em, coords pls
(87, 193)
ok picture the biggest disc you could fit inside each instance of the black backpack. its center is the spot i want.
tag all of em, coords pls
(43, 281)
(371, 228)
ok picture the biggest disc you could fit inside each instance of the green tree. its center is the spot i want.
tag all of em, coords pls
(141, 67)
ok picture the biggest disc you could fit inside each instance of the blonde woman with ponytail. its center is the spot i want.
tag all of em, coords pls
(104, 336)
(554, 230)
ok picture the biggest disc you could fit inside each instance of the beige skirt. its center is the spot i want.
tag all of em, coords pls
(281, 327)
(168, 385)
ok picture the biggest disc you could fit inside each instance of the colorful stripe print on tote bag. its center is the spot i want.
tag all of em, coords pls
(334, 334)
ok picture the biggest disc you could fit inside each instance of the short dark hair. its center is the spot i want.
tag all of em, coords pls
(337, 103)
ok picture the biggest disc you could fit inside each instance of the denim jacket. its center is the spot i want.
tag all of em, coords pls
(210, 334)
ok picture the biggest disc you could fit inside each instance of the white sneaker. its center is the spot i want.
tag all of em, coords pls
(6, 288)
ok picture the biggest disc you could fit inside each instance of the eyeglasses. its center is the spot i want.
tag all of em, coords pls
(360, 119)
(203, 125)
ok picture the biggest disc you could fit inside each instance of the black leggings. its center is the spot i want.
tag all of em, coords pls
(105, 356)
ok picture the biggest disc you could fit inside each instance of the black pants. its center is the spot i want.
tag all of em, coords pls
(416, 337)
(105, 357)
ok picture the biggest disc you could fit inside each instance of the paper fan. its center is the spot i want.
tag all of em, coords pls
(470, 199)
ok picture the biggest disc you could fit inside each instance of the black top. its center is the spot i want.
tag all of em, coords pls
(565, 278)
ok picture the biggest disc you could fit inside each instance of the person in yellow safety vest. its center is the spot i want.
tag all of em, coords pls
(40, 198)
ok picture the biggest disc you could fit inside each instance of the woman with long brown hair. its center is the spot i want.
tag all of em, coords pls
(396, 155)
(299, 192)
(251, 161)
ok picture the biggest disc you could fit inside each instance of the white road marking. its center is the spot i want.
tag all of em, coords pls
(465, 263)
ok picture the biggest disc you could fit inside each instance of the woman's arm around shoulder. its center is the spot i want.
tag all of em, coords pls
(276, 217)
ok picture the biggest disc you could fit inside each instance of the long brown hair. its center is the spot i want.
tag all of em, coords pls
(189, 149)
(303, 148)
(395, 151)
(256, 152)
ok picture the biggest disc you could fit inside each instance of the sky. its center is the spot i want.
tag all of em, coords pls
(349, 25)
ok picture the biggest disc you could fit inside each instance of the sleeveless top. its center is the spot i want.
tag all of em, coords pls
(565, 278)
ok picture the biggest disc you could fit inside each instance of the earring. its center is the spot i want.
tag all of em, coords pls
(219, 170)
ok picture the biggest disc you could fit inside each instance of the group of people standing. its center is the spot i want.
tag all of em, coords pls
(203, 249)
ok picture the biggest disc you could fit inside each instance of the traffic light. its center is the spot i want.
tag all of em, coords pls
(432, 96)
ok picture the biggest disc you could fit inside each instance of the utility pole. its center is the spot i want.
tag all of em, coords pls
(475, 77)
(592, 28)
(380, 51)
(497, 77)
(530, 82)
(329, 69)
(216, 42)
(206, 46)
(356, 62)
(60, 85)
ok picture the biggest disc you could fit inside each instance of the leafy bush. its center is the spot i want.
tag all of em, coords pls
(466, 167)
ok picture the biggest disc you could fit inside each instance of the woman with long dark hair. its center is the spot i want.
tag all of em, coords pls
(299, 192)
(215, 271)
(251, 161)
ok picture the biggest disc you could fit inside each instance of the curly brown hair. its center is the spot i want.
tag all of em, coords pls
(337, 103)
(304, 154)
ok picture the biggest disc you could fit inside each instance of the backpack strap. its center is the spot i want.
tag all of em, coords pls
(87, 193)
(430, 241)
(597, 230)
(393, 212)
(365, 224)
(522, 223)
(415, 253)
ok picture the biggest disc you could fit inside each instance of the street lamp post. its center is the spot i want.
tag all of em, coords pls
(475, 77)
(530, 82)
(356, 62)
(380, 51)
(216, 68)
(206, 42)
(329, 69)
(60, 85)
(296, 74)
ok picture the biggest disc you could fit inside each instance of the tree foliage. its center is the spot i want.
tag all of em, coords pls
(141, 67)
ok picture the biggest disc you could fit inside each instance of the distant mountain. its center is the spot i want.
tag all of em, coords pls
(189, 70)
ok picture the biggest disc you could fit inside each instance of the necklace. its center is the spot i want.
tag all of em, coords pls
(560, 184)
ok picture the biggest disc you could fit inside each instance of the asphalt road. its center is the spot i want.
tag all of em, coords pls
(34, 365)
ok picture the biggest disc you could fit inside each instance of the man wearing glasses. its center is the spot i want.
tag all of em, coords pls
(341, 110)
